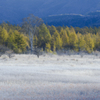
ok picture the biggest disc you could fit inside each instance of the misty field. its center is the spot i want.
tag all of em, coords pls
(50, 77)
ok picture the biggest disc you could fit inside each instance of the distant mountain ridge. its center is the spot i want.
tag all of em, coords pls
(14, 10)
(76, 20)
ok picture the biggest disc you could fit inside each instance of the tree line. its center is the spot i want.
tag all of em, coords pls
(50, 38)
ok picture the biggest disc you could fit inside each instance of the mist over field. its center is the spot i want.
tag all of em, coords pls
(50, 77)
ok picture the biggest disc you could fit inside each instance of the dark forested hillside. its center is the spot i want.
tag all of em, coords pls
(76, 20)
(14, 10)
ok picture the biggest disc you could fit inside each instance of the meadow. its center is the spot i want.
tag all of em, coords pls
(50, 77)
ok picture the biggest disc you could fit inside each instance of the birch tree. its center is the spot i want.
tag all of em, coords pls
(29, 27)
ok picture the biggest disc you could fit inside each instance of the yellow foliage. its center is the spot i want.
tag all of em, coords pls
(65, 39)
(48, 47)
(73, 39)
(89, 43)
(4, 35)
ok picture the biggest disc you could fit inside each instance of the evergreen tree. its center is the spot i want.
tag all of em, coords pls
(97, 41)
(65, 40)
(44, 36)
(89, 43)
(48, 47)
(52, 29)
(11, 39)
(58, 40)
(73, 40)
(3, 36)
(81, 42)
(53, 47)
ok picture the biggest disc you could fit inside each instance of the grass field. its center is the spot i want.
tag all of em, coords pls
(50, 77)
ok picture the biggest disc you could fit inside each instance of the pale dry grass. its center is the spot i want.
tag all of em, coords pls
(27, 77)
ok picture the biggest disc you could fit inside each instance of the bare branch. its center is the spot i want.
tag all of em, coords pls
(29, 26)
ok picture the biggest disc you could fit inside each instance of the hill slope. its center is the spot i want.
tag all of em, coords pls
(14, 10)
(76, 20)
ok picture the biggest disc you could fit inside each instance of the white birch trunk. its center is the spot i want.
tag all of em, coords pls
(31, 34)
(31, 41)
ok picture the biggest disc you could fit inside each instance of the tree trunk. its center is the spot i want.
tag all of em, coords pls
(31, 41)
